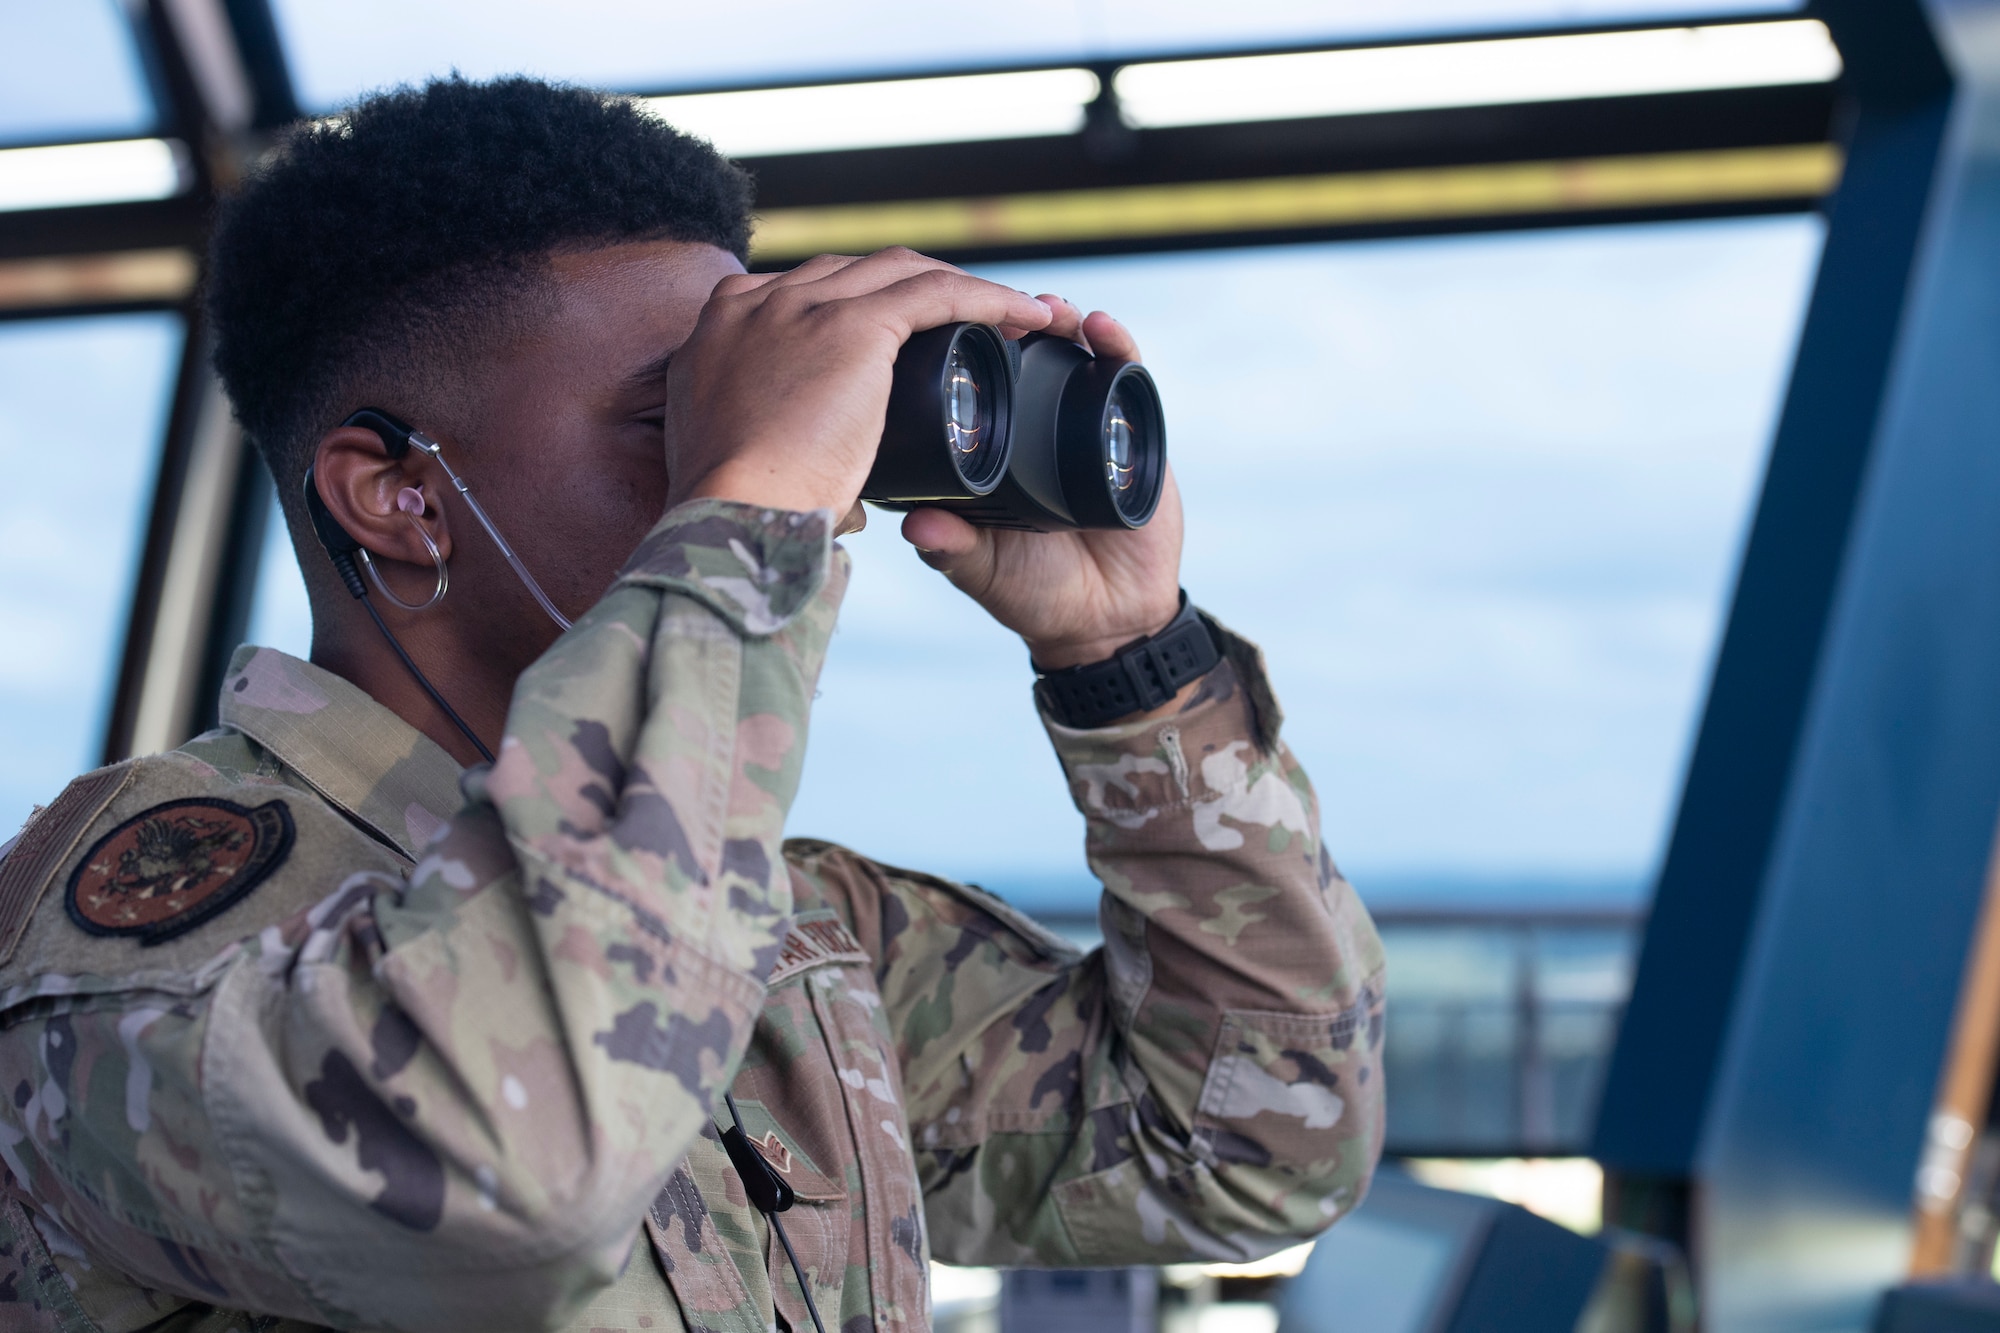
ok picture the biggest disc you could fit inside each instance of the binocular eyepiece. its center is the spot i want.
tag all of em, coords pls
(1037, 435)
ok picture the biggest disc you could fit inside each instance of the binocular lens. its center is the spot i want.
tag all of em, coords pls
(968, 411)
(1134, 445)
(1118, 446)
(948, 431)
(1038, 434)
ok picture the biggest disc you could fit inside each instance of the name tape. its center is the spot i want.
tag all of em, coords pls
(816, 942)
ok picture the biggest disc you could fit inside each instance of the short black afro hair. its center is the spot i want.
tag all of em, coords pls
(389, 238)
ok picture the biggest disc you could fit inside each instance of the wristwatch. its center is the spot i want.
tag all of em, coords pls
(1142, 675)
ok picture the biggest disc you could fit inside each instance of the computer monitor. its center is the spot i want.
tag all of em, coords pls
(1413, 1259)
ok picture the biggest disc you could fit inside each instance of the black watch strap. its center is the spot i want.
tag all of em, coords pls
(1143, 674)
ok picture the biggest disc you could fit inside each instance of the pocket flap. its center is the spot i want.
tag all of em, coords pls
(787, 1155)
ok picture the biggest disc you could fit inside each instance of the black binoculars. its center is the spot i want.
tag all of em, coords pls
(1037, 434)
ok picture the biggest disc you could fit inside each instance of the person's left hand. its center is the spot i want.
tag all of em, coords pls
(1076, 597)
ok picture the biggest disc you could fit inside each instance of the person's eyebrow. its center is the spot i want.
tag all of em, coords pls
(652, 372)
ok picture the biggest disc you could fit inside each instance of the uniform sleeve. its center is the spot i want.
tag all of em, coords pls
(1208, 1083)
(447, 1103)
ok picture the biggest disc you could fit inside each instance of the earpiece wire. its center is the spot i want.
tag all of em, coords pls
(382, 586)
(778, 1228)
(424, 680)
(436, 451)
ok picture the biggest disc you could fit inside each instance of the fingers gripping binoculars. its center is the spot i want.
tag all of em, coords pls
(1037, 435)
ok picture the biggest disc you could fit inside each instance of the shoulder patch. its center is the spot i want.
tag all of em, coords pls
(33, 858)
(169, 868)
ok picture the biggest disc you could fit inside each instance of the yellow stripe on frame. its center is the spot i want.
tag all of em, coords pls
(132, 275)
(1288, 202)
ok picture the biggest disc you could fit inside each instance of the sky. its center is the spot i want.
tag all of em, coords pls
(82, 403)
(69, 70)
(1480, 499)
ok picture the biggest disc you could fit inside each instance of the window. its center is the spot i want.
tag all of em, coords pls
(1480, 499)
(1499, 1028)
(83, 405)
(341, 48)
(280, 616)
(70, 71)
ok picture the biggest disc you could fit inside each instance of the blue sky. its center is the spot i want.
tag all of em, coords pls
(1479, 497)
(81, 407)
(69, 70)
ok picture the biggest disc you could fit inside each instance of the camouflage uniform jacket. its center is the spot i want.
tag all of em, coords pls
(300, 1020)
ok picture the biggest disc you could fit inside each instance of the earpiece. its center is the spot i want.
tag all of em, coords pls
(338, 542)
(344, 551)
(396, 437)
(341, 547)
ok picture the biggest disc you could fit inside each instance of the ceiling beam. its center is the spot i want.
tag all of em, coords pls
(1680, 155)
(128, 279)
(105, 228)
(1530, 132)
(1424, 200)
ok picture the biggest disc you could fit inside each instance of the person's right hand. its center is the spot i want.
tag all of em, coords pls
(779, 396)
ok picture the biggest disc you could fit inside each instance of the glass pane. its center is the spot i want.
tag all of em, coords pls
(1581, 979)
(82, 408)
(70, 71)
(280, 616)
(1479, 498)
(1499, 1030)
(340, 48)
(1455, 1034)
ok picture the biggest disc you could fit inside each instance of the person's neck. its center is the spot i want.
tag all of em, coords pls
(477, 684)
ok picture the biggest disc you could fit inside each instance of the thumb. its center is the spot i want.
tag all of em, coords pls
(952, 546)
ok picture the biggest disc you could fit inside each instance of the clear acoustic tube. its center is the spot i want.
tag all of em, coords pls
(436, 451)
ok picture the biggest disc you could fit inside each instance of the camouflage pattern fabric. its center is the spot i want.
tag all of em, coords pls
(454, 1063)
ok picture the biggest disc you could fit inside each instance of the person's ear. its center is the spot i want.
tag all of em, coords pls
(360, 482)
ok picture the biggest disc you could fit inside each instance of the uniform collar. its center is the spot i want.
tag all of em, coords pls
(379, 769)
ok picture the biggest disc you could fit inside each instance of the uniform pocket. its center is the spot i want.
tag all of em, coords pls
(819, 1221)
(1278, 1088)
(820, 1232)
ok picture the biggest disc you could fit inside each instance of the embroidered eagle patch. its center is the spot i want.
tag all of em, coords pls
(166, 870)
